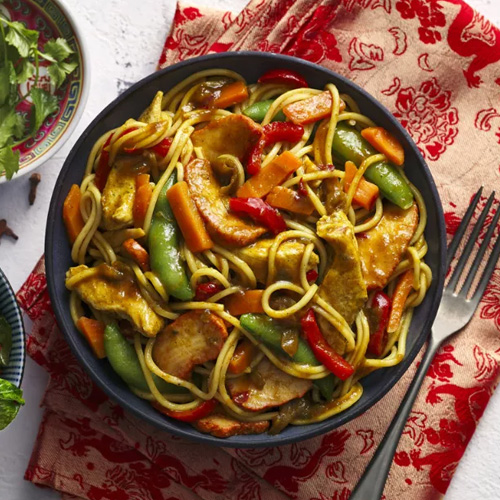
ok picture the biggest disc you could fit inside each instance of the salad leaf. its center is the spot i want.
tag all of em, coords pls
(11, 400)
(59, 70)
(24, 71)
(20, 37)
(57, 50)
(5, 341)
(44, 104)
(9, 161)
(11, 125)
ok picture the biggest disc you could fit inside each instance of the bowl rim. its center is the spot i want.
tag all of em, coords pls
(258, 440)
(85, 69)
(19, 326)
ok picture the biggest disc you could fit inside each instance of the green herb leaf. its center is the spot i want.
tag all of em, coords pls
(9, 161)
(44, 104)
(58, 50)
(59, 71)
(11, 400)
(4, 84)
(11, 125)
(24, 71)
(5, 341)
(20, 37)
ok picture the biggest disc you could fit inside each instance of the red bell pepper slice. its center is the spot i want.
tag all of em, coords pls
(260, 211)
(271, 134)
(285, 77)
(378, 317)
(206, 290)
(323, 352)
(200, 411)
(162, 148)
(312, 275)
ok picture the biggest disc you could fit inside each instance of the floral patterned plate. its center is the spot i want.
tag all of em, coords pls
(52, 20)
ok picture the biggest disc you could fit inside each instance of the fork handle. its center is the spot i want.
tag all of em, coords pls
(372, 483)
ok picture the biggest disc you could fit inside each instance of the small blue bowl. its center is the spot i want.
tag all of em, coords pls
(130, 104)
(9, 308)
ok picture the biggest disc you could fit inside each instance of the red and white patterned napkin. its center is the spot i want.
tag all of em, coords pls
(435, 65)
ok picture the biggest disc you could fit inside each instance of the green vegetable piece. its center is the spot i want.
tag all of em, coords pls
(258, 110)
(58, 71)
(326, 386)
(9, 161)
(4, 84)
(349, 144)
(124, 361)
(44, 105)
(164, 254)
(11, 400)
(5, 341)
(57, 50)
(20, 37)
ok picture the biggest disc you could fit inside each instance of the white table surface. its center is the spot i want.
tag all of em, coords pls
(125, 38)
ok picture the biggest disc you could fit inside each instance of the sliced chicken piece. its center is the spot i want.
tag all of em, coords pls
(213, 206)
(288, 259)
(113, 290)
(233, 134)
(222, 426)
(193, 338)
(343, 285)
(277, 387)
(118, 196)
(153, 112)
(382, 248)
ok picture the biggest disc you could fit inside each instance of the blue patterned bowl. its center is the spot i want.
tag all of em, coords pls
(12, 313)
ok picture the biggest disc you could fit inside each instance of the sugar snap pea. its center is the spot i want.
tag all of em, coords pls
(258, 110)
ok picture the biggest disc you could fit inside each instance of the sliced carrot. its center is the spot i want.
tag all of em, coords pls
(72, 216)
(366, 193)
(270, 176)
(230, 94)
(288, 199)
(245, 302)
(137, 253)
(143, 193)
(384, 142)
(312, 109)
(93, 331)
(401, 292)
(242, 357)
(189, 220)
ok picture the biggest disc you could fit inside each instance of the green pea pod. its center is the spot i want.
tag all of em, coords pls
(124, 361)
(5, 341)
(164, 254)
(349, 144)
(258, 110)
(269, 331)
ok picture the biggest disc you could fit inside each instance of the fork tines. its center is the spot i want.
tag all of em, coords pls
(469, 248)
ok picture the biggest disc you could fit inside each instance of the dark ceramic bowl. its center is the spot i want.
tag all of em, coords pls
(130, 104)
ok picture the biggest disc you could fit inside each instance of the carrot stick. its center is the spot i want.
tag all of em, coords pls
(288, 199)
(242, 357)
(403, 289)
(270, 176)
(246, 302)
(189, 220)
(137, 253)
(72, 216)
(141, 180)
(384, 142)
(366, 193)
(93, 330)
(143, 193)
(230, 94)
(312, 109)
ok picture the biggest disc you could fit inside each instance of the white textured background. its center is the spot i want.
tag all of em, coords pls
(124, 38)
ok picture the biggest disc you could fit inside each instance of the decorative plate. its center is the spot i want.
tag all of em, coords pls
(52, 20)
(12, 313)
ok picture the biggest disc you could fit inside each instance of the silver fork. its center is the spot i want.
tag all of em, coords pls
(455, 311)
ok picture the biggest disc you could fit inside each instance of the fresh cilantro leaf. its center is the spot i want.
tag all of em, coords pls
(22, 38)
(24, 71)
(5, 341)
(11, 400)
(11, 125)
(44, 104)
(58, 50)
(4, 84)
(9, 163)
(59, 71)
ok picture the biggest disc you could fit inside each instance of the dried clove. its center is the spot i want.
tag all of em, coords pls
(6, 230)
(34, 181)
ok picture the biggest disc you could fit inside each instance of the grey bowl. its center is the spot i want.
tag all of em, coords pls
(130, 104)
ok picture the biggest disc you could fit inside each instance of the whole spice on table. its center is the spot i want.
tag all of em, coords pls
(35, 179)
(6, 230)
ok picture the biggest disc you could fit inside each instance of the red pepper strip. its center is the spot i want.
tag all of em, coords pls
(260, 211)
(161, 149)
(200, 411)
(271, 134)
(302, 189)
(312, 275)
(205, 290)
(379, 313)
(284, 76)
(325, 354)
